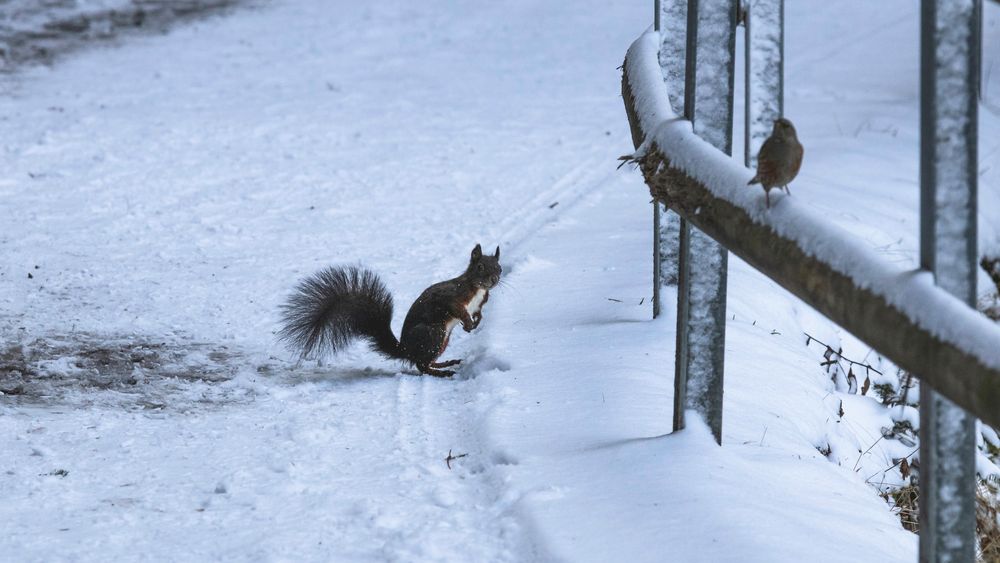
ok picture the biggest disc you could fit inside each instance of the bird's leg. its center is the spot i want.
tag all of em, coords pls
(787, 191)
(767, 197)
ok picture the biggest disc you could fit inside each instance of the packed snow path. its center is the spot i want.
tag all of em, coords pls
(165, 196)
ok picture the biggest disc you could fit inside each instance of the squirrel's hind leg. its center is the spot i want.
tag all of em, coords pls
(427, 342)
(428, 370)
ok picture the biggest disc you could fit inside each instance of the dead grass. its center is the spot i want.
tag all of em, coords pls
(905, 503)
(988, 522)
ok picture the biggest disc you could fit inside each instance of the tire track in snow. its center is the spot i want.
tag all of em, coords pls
(471, 493)
(438, 416)
(404, 438)
(461, 510)
(555, 201)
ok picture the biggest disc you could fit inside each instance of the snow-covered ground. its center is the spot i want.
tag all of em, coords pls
(161, 199)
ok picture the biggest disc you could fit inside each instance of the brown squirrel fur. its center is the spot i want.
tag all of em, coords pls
(331, 308)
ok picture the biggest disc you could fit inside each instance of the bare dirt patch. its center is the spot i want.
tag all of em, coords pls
(33, 31)
(81, 370)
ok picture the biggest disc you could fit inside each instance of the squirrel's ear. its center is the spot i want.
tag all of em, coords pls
(497, 253)
(477, 252)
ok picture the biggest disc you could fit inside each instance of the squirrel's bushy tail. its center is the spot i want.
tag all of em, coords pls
(336, 305)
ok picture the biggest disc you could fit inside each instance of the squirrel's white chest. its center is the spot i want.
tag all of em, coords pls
(473, 306)
(476, 303)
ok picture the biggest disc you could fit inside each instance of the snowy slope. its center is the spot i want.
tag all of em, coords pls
(165, 196)
(584, 426)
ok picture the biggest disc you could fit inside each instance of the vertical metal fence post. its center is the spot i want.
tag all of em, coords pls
(671, 22)
(949, 61)
(658, 220)
(764, 49)
(701, 289)
(657, 271)
(673, 46)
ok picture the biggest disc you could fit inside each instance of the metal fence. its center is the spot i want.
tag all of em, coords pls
(957, 360)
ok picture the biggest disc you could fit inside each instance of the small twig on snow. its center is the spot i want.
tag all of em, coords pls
(840, 356)
(891, 467)
(880, 438)
(452, 458)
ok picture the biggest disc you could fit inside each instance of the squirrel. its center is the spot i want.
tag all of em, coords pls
(336, 305)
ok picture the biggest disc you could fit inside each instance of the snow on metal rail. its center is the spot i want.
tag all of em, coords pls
(917, 325)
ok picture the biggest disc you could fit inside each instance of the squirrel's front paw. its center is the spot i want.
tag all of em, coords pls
(476, 319)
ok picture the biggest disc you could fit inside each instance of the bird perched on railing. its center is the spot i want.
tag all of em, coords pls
(779, 159)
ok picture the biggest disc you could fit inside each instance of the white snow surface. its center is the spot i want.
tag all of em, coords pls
(166, 195)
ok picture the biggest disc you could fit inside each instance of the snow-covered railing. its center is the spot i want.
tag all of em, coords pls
(929, 330)
(912, 322)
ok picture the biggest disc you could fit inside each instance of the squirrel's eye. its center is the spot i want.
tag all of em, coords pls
(481, 268)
